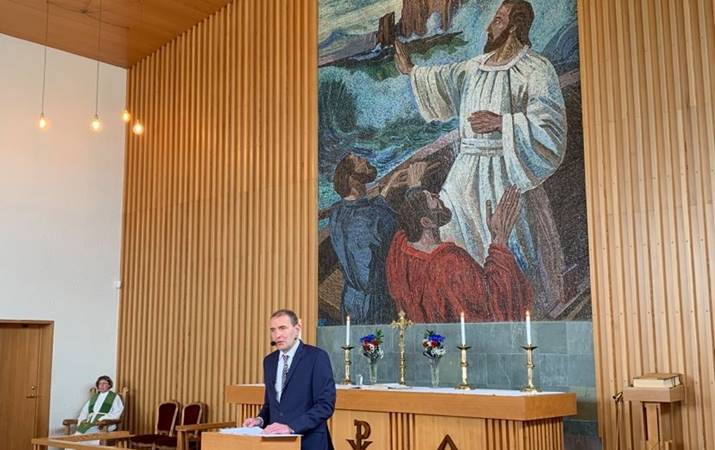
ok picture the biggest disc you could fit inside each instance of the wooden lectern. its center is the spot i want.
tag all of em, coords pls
(662, 423)
(219, 441)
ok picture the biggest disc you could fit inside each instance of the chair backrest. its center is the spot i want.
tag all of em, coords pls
(124, 395)
(167, 414)
(193, 413)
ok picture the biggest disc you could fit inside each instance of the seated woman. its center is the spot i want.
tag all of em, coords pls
(103, 405)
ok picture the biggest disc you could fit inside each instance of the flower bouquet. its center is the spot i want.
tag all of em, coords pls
(433, 348)
(372, 350)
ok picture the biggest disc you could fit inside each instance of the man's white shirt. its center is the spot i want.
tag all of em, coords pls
(279, 368)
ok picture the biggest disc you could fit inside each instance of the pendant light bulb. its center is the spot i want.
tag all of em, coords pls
(138, 128)
(42, 123)
(126, 117)
(96, 123)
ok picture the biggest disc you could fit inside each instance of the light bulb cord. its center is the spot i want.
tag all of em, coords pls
(44, 61)
(99, 43)
(96, 94)
(44, 78)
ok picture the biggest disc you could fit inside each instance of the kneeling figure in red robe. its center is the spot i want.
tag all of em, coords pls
(433, 281)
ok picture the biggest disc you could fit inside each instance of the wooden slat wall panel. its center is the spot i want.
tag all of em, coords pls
(219, 204)
(648, 87)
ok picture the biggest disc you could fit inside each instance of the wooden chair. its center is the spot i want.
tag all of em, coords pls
(167, 414)
(192, 414)
(103, 425)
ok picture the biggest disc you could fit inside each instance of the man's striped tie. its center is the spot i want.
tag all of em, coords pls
(285, 372)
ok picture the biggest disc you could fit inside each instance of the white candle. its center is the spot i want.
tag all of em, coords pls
(461, 322)
(347, 332)
(528, 328)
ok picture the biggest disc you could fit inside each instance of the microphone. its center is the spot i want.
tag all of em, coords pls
(273, 343)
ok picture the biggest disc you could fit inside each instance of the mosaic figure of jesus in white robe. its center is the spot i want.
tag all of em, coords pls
(530, 147)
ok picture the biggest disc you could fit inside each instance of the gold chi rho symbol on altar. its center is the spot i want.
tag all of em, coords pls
(362, 432)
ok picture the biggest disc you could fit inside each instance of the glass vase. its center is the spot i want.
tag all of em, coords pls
(373, 371)
(434, 371)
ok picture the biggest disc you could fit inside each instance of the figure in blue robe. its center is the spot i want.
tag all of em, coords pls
(361, 230)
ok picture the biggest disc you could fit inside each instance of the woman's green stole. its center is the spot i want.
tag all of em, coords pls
(103, 410)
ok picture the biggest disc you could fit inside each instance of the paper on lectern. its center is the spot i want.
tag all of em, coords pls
(245, 431)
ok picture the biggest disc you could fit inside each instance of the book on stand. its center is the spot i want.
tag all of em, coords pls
(657, 380)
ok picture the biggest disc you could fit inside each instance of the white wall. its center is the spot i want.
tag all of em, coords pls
(60, 211)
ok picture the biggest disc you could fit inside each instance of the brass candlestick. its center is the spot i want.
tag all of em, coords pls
(348, 363)
(464, 385)
(402, 325)
(529, 369)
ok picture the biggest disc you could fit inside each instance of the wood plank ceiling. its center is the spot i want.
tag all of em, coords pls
(131, 29)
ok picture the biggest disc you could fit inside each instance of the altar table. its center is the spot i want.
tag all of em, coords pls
(377, 417)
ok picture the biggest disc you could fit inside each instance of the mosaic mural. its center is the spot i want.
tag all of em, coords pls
(451, 171)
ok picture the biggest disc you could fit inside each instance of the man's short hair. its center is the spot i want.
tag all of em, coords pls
(412, 210)
(105, 378)
(343, 172)
(288, 313)
(521, 16)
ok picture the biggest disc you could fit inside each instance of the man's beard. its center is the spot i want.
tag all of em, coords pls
(366, 176)
(495, 43)
(441, 216)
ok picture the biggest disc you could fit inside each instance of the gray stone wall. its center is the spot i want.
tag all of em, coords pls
(564, 362)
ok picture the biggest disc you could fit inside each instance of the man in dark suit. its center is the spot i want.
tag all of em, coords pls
(300, 391)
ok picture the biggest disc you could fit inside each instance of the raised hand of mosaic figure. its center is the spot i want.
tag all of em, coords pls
(502, 220)
(485, 121)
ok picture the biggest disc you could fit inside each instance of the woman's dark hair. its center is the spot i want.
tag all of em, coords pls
(105, 378)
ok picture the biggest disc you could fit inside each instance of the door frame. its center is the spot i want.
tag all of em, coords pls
(47, 328)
